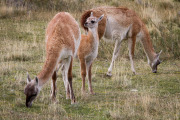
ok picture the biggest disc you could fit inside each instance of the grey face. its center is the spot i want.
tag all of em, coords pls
(156, 63)
(31, 91)
(92, 21)
(154, 66)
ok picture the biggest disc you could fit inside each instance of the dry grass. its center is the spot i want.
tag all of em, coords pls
(123, 96)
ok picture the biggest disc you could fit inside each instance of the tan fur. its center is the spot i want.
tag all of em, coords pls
(88, 51)
(85, 48)
(60, 31)
(124, 18)
(61, 34)
(86, 45)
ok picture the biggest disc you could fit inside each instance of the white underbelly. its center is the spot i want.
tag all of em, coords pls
(114, 30)
(65, 53)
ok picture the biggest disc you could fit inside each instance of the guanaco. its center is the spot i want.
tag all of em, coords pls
(62, 41)
(120, 24)
(88, 49)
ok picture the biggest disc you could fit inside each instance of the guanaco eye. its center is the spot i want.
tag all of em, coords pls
(92, 21)
(34, 94)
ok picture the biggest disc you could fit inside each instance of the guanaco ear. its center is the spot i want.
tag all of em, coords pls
(159, 54)
(28, 78)
(37, 81)
(100, 18)
(91, 14)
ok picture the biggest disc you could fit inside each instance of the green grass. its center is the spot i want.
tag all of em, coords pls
(124, 96)
(22, 49)
(157, 96)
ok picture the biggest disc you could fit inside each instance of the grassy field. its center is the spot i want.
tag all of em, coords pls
(124, 96)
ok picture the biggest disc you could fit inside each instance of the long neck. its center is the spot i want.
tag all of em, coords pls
(48, 68)
(93, 33)
(147, 44)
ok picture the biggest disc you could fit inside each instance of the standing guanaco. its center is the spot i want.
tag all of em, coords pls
(88, 49)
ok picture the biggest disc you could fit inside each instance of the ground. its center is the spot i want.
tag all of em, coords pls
(123, 96)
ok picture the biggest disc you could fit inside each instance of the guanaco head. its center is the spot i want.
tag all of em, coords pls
(92, 21)
(31, 90)
(155, 63)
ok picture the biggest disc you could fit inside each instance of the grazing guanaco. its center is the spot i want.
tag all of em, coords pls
(62, 41)
(119, 24)
(88, 49)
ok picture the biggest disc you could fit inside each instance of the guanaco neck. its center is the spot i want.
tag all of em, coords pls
(147, 44)
(93, 34)
(48, 68)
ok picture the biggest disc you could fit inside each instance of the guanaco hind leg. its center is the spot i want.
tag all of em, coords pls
(89, 78)
(83, 74)
(65, 68)
(70, 88)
